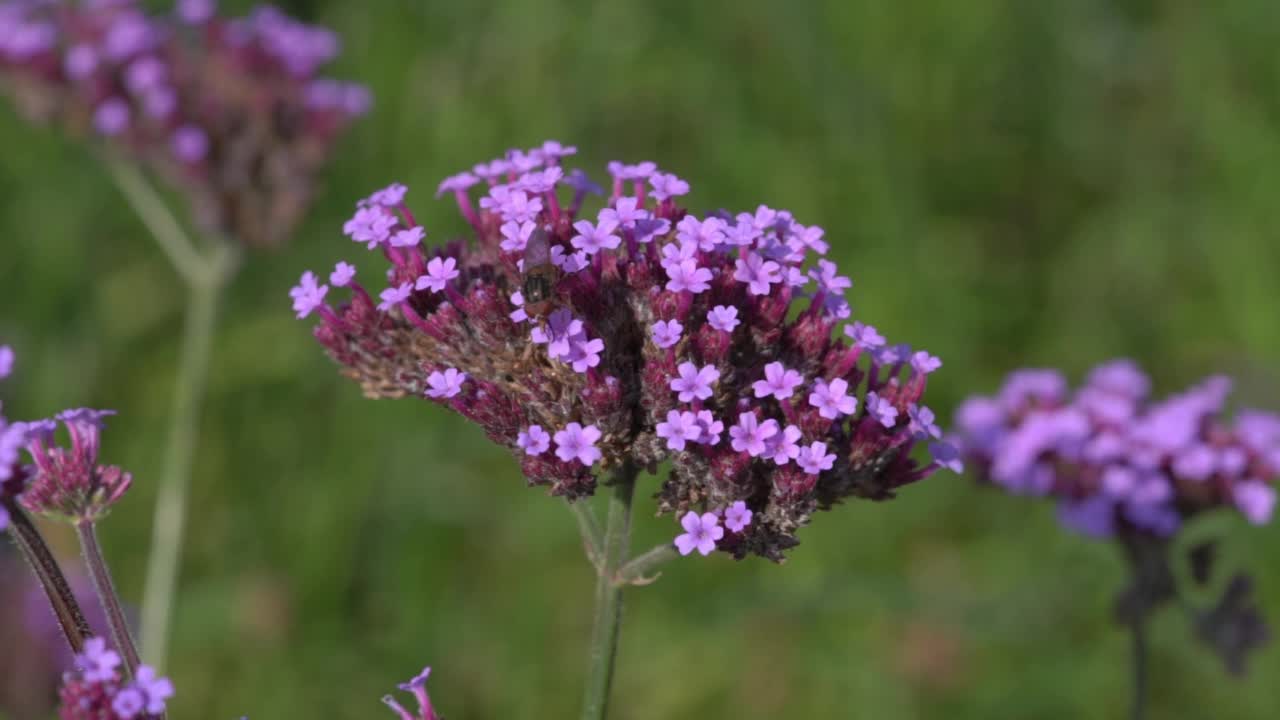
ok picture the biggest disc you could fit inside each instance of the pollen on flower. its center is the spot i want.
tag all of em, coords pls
(636, 332)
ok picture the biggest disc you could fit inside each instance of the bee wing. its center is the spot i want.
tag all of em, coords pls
(537, 252)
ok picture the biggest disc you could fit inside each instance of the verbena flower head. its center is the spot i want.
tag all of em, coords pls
(582, 339)
(13, 436)
(68, 482)
(1118, 460)
(94, 689)
(418, 687)
(231, 111)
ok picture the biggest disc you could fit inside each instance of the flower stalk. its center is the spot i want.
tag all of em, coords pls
(121, 637)
(608, 614)
(61, 598)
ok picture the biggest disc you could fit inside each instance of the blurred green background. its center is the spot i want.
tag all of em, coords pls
(1008, 183)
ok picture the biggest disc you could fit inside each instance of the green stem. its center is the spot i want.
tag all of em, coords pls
(590, 529)
(170, 519)
(61, 598)
(635, 572)
(608, 616)
(1139, 633)
(97, 564)
(155, 214)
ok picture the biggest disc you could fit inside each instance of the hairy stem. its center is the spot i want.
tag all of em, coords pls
(1139, 634)
(590, 529)
(170, 518)
(106, 589)
(635, 572)
(608, 614)
(61, 598)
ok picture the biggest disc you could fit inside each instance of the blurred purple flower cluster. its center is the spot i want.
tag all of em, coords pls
(13, 437)
(229, 110)
(1116, 459)
(638, 333)
(95, 689)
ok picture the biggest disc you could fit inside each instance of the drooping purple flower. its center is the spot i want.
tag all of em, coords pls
(679, 428)
(445, 384)
(687, 276)
(694, 382)
(439, 272)
(814, 458)
(723, 318)
(700, 533)
(576, 442)
(751, 436)
(534, 440)
(666, 333)
(409, 237)
(393, 296)
(779, 382)
(591, 239)
(832, 398)
(737, 517)
(759, 274)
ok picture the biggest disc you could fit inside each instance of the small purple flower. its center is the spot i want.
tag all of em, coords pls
(539, 182)
(417, 686)
(1197, 462)
(782, 447)
(864, 336)
(666, 185)
(97, 662)
(493, 170)
(128, 703)
(679, 428)
(703, 234)
(519, 207)
(80, 62)
(445, 384)
(370, 224)
(626, 213)
(576, 442)
(342, 275)
(156, 689)
(688, 276)
(591, 239)
(408, 238)
(144, 74)
(814, 458)
(882, 409)
(552, 150)
(1256, 500)
(456, 183)
(393, 296)
(832, 398)
(569, 262)
(947, 455)
(518, 315)
(307, 295)
(743, 234)
(751, 436)
(778, 381)
(584, 354)
(711, 428)
(522, 162)
(534, 441)
(666, 333)
(439, 272)
(190, 144)
(389, 196)
(639, 171)
(924, 363)
(723, 318)
(582, 183)
(922, 422)
(195, 12)
(759, 274)
(559, 333)
(6, 361)
(676, 253)
(111, 117)
(737, 517)
(515, 236)
(827, 279)
(811, 238)
(694, 382)
(700, 533)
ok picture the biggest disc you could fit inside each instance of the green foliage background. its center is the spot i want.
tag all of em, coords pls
(1007, 182)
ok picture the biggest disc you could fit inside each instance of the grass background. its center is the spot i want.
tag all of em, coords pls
(1007, 182)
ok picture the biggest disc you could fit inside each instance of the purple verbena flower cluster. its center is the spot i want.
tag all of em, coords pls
(229, 110)
(68, 482)
(95, 689)
(13, 437)
(418, 687)
(1116, 459)
(583, 340)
